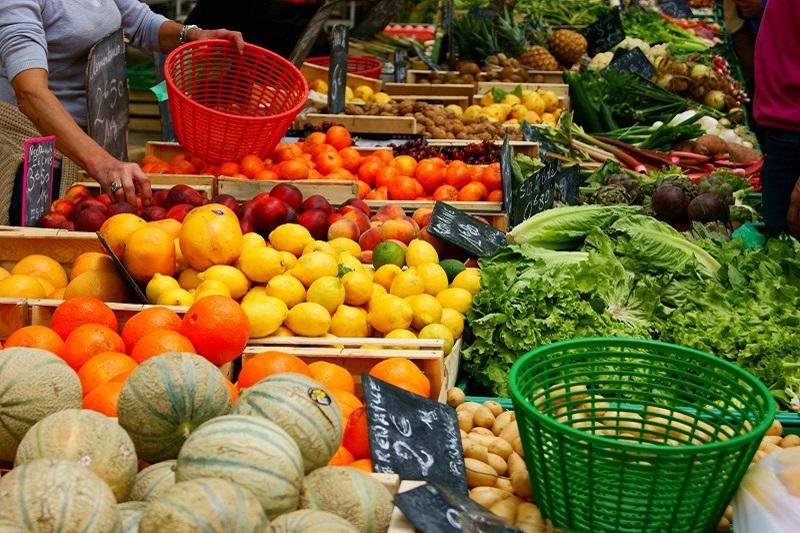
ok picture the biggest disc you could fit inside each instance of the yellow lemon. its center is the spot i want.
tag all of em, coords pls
(533, 102)
(4, 273)
(290, 238)
(420, 252)
(349, 321)
(453, 320)
(381, 98)
(438, 331)
(158, 285)
(369, 270)
(266, 314)
(427, 310)
(385, 275)
(176, 297)
(434, 278)
(357, 288)
(188, 279)
(400, 334)
(550, 100)
(365, 92)
(44, 267)
(320, 246)
(348, 93)
(455, 298)
(308, 319)
(232, 277)
(328, 291)
(254, 293)
(343, 244)
(46, 285)
(313, 266)
(260, 264)
(407, 283)
(211, 287)
(469, 280)
(348, 262)
(282, 332)
(289, 261)
(389, 312)
(286, 288)
(253, 239)
(21, 286)
(377, 290)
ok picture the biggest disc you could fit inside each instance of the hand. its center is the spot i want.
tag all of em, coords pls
(112, 173)
(793, 216)
(228, 35)
(750, 9)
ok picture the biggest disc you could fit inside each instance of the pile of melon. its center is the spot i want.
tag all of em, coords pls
(180, 457)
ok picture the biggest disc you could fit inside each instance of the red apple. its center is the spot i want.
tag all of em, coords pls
(246, 226)
(361, 220)
(51, 220)
(317, 201)
(179, 212)
(68, 225)
(160, 197)
(228, 201)
(88, 203)
(62, 207)
(269, 213)
(89, 219)
(120, 207)
(259, 197)
(184, 194)
(76, 193)
(289, 194)
(359, 204)
(316, 222)
(153, 212)
(291, 214)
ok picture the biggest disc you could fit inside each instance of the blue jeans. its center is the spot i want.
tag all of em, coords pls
(781, 171)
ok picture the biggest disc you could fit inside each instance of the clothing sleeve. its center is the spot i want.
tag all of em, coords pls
(23, 44)
(140, 24)
(212, 14)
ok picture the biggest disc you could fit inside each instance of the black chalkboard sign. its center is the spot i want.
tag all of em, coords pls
(310, 35)
(400, 65)
(537, 193)
(567, 184)
(507, 174)
(337, 70)
(460, 229)
(124, 271)
(434, 508)
(413, 437)
(448, 17)
(604, 33)
(531, 133)
(634, 61)
(676, 8)
(378, 16)
(483, 13)
(38, 160)
(428, 60)
(107, 95)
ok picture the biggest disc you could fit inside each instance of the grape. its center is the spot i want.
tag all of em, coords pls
(479, 153)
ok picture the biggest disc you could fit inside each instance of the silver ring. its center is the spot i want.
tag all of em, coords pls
(115, 186)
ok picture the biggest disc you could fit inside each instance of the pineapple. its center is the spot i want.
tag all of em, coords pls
(538, 58)
(568, 46)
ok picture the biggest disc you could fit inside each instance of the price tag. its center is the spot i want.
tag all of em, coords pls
(567, 184)
(337, 70)
(460, 229)
(529, 133)
(537, 193)
(434, 508)
(107, 95)
(124, 271)
(413, 437)
(676, 8)
(400, 65)
(310, 34)
(604, 33)
(38, 162)
(634, 61)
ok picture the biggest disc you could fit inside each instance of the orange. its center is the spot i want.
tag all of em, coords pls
(251, 165)
(91, 261)
(495, 196)
(363, 189)
(267, 364)
(338, 137)
(108, 286)
(405, 165)
(37, 337)
(473, 192)
(445, 192)
(266, 175)
(320, 149)
(362, 464)
(42, 266)
(342, 457)
(149, 251)
(232, 390)
(118, 229)
(210, 235)
(104, 398)
(491, 177)
(356, 435)
(351, 159)
(381, 193)
(122, 376)
(430, 173)
(103, 368)
(342, 174)
(333, 376)
(89, 340)
(386, 176)
(328, 161)
(312, 140)
(287, 152)
(217, 327)
(403, 373)
(81, 310)
(347, 402)
(457, 175)
(368, 171)
(158, 342)
(292, 170)
(148, 320)
(183, 167)
(405, 188)
(229, 168)
(384, 155)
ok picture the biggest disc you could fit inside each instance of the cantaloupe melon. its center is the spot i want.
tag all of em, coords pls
(250, 451)
(204, 504)
(166, 398)
(7, 526)
(153, 481)
(307, 521)
(130, 514)
(50, 495)
(33, 384)
(303, 408)
(351, 494)
(88, 438)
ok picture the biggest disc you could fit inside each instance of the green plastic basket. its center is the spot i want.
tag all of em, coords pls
(631, 435)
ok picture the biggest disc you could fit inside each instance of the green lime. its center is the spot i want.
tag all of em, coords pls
(452, 267)
(388, 253)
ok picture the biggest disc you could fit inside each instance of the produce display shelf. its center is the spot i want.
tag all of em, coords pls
(544, 76)
(313, 73)
(361, 124)
(335, 191)
(203, 183)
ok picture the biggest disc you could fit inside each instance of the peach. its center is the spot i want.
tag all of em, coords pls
(62, 207)
(335, 217)
(422, 216)
(160, 197)
(480, 219)
(183, 194)
(399, 230)
(52, 220)
(104, 199)
(153, 212)
(439, 245)
(389, 212)
(370, 239)
(344, 228)
(376, 224)
(366, 257)
(357, 216)
(360, 204)
(413, 223)
(179, 212)
(76, 193)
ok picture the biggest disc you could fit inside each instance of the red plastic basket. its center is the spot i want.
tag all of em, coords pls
(225, 105)
(368, 66)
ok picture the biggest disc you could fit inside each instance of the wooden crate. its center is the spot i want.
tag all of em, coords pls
(336, 192)
(492, 212)
(145, 114)
(461, 95)
(204, 184)
(62, 245)
(361, 123)
(164, 150)
(313, 73)
(547, 76)
(13, 315)
(560, 89)
(529, 148)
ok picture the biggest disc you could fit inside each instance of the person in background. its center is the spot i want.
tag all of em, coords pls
(44, 47)
(777, 108)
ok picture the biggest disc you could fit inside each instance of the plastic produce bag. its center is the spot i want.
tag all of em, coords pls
(769, 497)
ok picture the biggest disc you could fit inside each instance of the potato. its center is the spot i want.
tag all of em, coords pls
(775, 429)
(770, 439)
(520, 479)
(468, 407)
(516, 445)
(510, 431)
(455, 397)
(498, 463)
(464, 434)
(529, 518)
(482, 431)
(789, 441)
(770, 448)
(501, 421)
(464, 420)
(501, 448)
(479, 474)
(483, 417)
(506, 509)
(477, 451)
(488, 496)
(504, 483)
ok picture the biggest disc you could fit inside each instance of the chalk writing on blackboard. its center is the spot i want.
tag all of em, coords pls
(37, 178)
(463, 230)
(337, 73)
(605, 33)
(107, 95)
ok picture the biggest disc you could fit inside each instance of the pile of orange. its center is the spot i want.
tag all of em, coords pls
(354, 450)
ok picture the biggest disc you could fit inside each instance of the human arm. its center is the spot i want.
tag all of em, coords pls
(750, 9)
(793, 216)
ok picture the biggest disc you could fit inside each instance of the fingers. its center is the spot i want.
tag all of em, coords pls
(142, 183)
(239, 40)
(128, 188)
